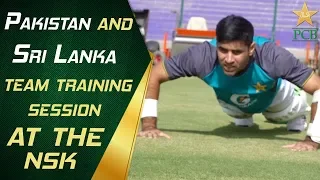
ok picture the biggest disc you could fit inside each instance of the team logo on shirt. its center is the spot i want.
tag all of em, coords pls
(242, 100)
(260, 87)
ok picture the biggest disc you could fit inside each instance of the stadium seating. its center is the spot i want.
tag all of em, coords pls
(162, 19)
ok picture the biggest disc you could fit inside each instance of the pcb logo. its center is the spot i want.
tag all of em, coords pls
(305, 34)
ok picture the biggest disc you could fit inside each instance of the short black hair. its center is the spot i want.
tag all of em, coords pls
(235, 28)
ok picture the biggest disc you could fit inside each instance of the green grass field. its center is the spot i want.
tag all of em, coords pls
(206, 145)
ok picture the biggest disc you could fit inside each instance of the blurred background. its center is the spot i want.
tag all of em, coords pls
(177, 24)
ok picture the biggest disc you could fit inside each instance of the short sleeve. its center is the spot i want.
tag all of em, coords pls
(280, 63)
(198, 60)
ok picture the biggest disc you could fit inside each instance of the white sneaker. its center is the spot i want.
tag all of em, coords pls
(243, 122)
(297, 125)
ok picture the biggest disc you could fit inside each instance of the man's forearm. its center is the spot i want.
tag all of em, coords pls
(152, 94)
(153, 89)
(311, 129)
(314, 107)
(149, 112)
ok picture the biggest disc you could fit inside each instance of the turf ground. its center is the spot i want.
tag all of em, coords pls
(206, 145)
